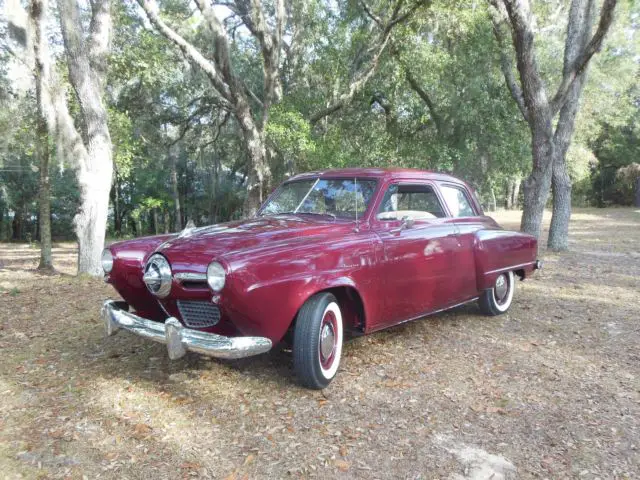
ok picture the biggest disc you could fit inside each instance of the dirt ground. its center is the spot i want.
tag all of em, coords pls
(549, 390)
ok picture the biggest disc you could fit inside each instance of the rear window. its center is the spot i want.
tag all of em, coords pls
(457, 201)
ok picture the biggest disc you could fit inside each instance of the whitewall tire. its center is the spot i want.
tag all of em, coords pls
(497, 300)
(317, 342)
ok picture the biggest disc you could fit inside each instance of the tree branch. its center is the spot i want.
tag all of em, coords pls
(506, 65)
(595, 44)
(151, 9)
(364, 75)
(99, 35)
(270, 42)
(533, 89)
(425, 98)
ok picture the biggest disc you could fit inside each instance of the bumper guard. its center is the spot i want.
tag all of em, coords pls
(178, 338)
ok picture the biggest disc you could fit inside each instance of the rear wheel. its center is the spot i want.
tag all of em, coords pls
(497, 300)
(317, 341)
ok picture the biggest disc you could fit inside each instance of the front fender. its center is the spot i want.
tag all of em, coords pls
(265, 291)
(269, 309)
(129, 257)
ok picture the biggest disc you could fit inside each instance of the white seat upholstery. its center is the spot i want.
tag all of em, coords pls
(410, 214)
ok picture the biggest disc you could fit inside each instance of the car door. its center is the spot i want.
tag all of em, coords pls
(417, 259)
(468, 221)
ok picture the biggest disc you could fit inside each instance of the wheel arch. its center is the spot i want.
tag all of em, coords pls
(351, 305)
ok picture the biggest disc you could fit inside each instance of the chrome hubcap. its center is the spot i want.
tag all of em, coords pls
(501, 287)
(327, 341)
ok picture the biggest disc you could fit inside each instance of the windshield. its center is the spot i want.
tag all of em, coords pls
(333, 197)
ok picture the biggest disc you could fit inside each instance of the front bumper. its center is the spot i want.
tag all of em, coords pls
(178, 338)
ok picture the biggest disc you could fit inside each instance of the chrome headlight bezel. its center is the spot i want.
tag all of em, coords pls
(157, 275)
(216, 276)
(106, 260)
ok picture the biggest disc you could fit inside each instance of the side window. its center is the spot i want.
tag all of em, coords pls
(417, 202)
(457, 201)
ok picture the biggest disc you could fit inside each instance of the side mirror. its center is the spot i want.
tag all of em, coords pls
(406, 223)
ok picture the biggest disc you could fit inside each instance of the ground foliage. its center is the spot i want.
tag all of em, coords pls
(549, 390)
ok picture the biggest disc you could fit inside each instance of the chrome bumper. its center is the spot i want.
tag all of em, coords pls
(179, 339)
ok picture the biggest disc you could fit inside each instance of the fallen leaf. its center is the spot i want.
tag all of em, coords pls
(57, 434)
(141, 431)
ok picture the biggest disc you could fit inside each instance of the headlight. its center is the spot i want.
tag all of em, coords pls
(157, 275)
(215, 276)
(107, 260)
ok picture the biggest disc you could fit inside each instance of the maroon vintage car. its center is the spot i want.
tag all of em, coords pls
(354, 250)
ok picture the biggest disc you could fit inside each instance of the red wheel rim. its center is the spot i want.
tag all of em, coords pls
(327, 340)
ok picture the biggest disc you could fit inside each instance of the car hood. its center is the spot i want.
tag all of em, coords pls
(193, 250)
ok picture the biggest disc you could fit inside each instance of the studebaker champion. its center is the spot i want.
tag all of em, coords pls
(329, 253)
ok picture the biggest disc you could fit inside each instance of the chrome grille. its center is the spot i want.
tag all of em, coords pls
(198, 314)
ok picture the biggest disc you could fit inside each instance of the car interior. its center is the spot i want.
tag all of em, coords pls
(413, 202)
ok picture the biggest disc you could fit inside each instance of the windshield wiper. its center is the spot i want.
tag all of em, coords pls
(317, 213)
(306, 213)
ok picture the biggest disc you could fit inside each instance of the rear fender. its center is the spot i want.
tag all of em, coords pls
(499, 251)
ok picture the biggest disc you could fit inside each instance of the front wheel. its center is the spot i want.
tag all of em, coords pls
(497, 300)
(317, 341)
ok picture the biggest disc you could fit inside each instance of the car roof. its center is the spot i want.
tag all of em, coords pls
(385, 173)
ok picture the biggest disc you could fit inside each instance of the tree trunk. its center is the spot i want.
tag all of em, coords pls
(156, 221)
(561, 186)
(494, 203)
(253, 199)
(91, 220)
(512, 192)
(117, 212)
(173, 164)
(17, 224)
(44, 197)
(86, 59)
(259, 174)
(578, 32)
(42, 133)
(537, 185)
(515, 194)
(508, 197)
(1, 222)
(213, 217)
(531, 97)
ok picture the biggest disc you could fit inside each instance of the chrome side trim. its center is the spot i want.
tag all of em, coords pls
(190, 277)
(178, 338)
(509, 268)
